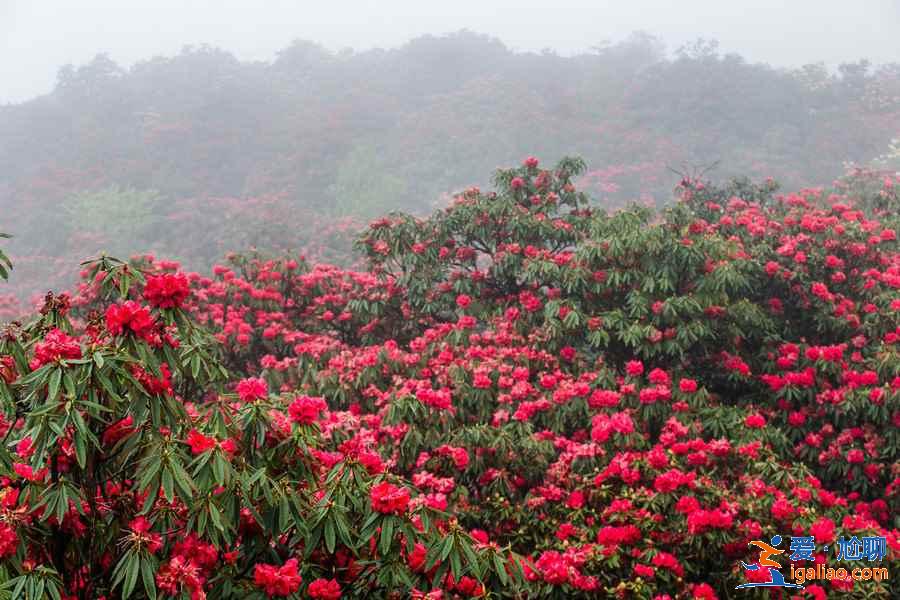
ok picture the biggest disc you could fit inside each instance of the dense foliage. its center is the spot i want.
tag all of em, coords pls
(179, 150)
(522, 396)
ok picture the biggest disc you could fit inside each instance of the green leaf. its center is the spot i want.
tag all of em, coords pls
(329, 536)
(500, 568)
(53, 387)
(387, 536)
(132, 570)
(446, 549)
(147, 576)
(456, 565)
(168, 485)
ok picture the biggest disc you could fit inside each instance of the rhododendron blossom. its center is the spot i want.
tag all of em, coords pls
(278, 582)
(388, 498)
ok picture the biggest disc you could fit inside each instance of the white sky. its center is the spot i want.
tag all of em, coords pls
(39, 36)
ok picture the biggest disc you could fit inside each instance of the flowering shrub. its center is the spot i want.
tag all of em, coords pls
(138, 468)
(523, 396)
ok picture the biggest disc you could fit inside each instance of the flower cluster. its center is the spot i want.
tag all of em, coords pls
(168, 290)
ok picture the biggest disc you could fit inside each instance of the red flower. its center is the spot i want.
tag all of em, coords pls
(416, 559)
(278, 581)
(644, 571)
(177, 573)
(388, 498)
(8, 369)
(635, 368)
(659, 377)
(130, 316)
(575, 499)
(118, 430)
(604, 398)
(855, 456)
(156, 386)
(305, 409)
(9, 541)
(823, 530)
(782, 509)
(703, 591)
(756, 421)
(672, 479)
(687, 386)
(55, 345)
(199, 443)
(252, 389)
(669, 562)
(324, 589)
(625, 535)
(142, 536)
(687, 504)
(553, 567)
(168, 290)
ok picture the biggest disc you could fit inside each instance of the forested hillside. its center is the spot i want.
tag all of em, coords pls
(198, 154)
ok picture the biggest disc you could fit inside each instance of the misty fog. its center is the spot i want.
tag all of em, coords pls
(193, 129)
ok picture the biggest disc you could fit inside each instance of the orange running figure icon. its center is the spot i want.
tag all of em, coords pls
(767, 551)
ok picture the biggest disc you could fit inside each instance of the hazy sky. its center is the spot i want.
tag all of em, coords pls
(39, 36)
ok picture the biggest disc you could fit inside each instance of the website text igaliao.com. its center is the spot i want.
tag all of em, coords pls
(822, 573)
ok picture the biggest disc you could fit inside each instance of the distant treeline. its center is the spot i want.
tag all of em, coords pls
(200, 153)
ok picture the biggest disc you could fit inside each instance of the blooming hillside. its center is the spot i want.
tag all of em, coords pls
(522, 396)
